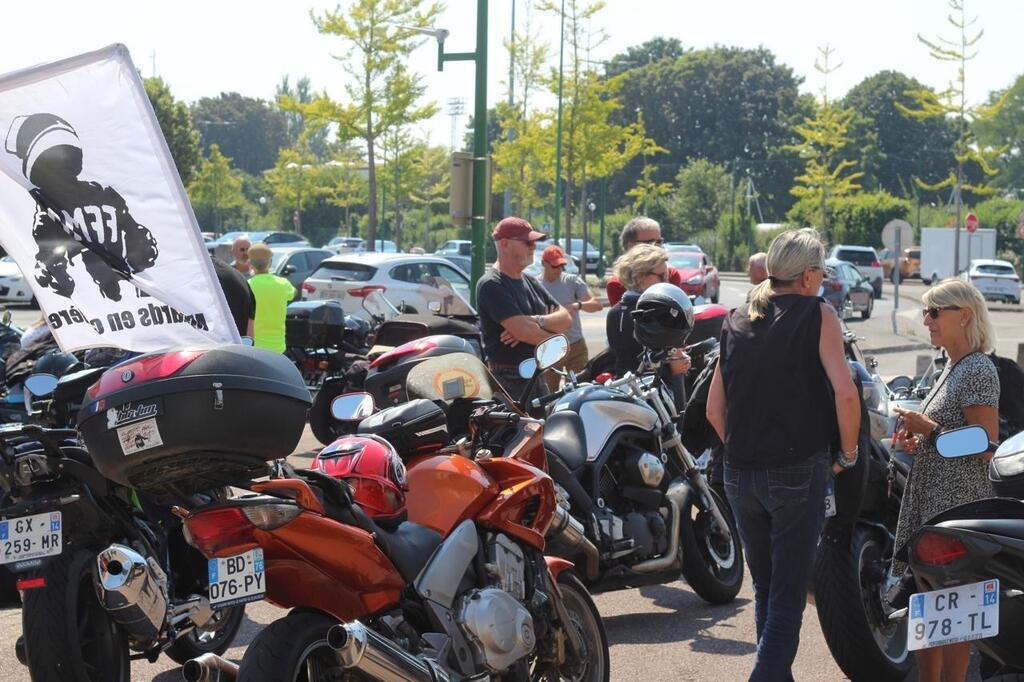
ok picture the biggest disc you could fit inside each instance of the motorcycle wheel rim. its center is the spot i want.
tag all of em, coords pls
(317, 663)
(890, 637)
(583, 620)
(721, 550)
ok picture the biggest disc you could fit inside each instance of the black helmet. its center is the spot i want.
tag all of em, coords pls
(55, 362)
(663, 317)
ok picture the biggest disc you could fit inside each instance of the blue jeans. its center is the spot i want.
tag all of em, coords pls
(779, 512)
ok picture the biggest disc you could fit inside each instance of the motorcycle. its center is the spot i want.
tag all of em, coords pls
(969, 562)
(461, 590)
(104, 570)
(323, 341)
(646, 508)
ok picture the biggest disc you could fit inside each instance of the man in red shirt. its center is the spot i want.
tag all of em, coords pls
(639, 230)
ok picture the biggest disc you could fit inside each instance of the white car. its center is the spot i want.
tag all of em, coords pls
(995, 279)
(345, 244)
(455, 247)
(421, 282)
(14, 287)
(865, 259)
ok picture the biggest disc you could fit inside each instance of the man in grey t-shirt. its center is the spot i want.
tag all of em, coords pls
(574, 294)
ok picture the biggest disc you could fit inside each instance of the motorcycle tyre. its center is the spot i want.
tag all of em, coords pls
(576, 598)
(187, 647)
(842, 618)
(697, 560)
(274, 655)
(50, 622)
(321, 423)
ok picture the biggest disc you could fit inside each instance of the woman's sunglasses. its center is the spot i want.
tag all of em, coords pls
(934, 311)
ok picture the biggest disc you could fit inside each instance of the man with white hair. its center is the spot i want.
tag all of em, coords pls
(757, 268)
(639, 230)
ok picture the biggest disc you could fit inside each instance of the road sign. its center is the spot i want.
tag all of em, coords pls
(971, 223)
(905, 234)
(546, 228)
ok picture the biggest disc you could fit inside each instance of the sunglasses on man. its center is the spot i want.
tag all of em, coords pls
(656, 242)
(934, 311)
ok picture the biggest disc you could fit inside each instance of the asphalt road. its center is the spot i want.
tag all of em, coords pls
(664, 633)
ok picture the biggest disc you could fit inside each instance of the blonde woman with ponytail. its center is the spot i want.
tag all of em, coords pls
(784, 404)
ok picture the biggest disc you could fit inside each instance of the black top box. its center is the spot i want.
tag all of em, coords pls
(191, 420)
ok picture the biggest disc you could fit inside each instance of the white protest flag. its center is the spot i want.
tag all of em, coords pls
(93, 211)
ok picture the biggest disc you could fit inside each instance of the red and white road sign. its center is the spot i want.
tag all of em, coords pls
(971, 223)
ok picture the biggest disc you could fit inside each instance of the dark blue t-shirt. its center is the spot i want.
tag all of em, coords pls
(499, 297)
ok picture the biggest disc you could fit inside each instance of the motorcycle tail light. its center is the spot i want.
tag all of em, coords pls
(938, 549)
(271, 516)
(145, 368)
(31, 583)
(224, 531)
(396, 354)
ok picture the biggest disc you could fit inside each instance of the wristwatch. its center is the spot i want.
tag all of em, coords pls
(540, 320)
(579, 306)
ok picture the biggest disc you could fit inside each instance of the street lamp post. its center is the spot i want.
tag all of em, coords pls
(558, 127)
(479, 208)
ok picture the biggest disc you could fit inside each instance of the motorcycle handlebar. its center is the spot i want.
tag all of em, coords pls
(547, 399)
(500, 417)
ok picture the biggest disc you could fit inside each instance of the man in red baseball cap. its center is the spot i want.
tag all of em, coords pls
(516, 312)
(573, 293)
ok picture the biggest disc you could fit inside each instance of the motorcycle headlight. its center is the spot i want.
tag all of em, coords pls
(696, 279)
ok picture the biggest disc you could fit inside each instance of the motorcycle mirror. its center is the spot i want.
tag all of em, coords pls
(7, 317)
(963, 442)
(435, 306)
(352, 406)
(550, 351)
(41, 384)
(527, 368)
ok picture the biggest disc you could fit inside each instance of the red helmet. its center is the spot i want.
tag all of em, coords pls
(372, 468)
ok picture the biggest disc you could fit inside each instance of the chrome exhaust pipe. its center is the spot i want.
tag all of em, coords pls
(359, 647)
(132, 590)
(675, 496)
(210, 668)
(567, 533)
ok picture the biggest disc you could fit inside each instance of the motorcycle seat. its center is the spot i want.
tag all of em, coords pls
(1008, 528)
(409, 546)
(566, 439)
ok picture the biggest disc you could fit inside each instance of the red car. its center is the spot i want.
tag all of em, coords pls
(700, 278)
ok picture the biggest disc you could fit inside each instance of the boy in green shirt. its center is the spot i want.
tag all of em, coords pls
(273, 294)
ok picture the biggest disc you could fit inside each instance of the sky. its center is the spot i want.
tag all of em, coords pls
(203, 48)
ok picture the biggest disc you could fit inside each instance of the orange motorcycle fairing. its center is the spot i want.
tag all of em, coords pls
(526, 504)
(445, 490)
(528, 446)
(316, 562)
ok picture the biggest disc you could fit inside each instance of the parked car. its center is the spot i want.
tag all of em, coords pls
(910, 263)
(844, 286)
(221, 247)
(593, 255)
(416, 281)
(865, 259)
(995, 279)
(464, 263)
(455, 247)
(679, 246)
(14, 287)
(381, 246)
(296, 264)
(345, 245)
(700, 278)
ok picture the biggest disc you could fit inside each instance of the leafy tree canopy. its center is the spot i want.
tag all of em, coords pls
(248, 130)
(176, 124)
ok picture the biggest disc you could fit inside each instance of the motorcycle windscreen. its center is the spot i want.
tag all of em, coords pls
(450, 377)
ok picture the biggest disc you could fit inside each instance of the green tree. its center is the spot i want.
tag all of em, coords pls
(383, 93)
(1005, 130)
(702, 196)
(294, 181)
(345, 184)
(176, 124)
(952, 103)
(248, 130)
(215, 190)
(295, 123)
(1002, 214)
(893, 149)
(646, 53)
(856, 219)
(728, 105)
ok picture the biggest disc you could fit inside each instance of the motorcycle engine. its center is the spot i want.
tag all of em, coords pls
(495, 622)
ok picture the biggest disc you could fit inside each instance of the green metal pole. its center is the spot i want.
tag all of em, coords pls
(600, 249)
(480, 149)
(558, 128)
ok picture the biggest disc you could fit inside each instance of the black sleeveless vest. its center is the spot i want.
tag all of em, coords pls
(779, 404)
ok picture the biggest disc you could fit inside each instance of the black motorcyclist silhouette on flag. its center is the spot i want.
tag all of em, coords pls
(75, 216)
